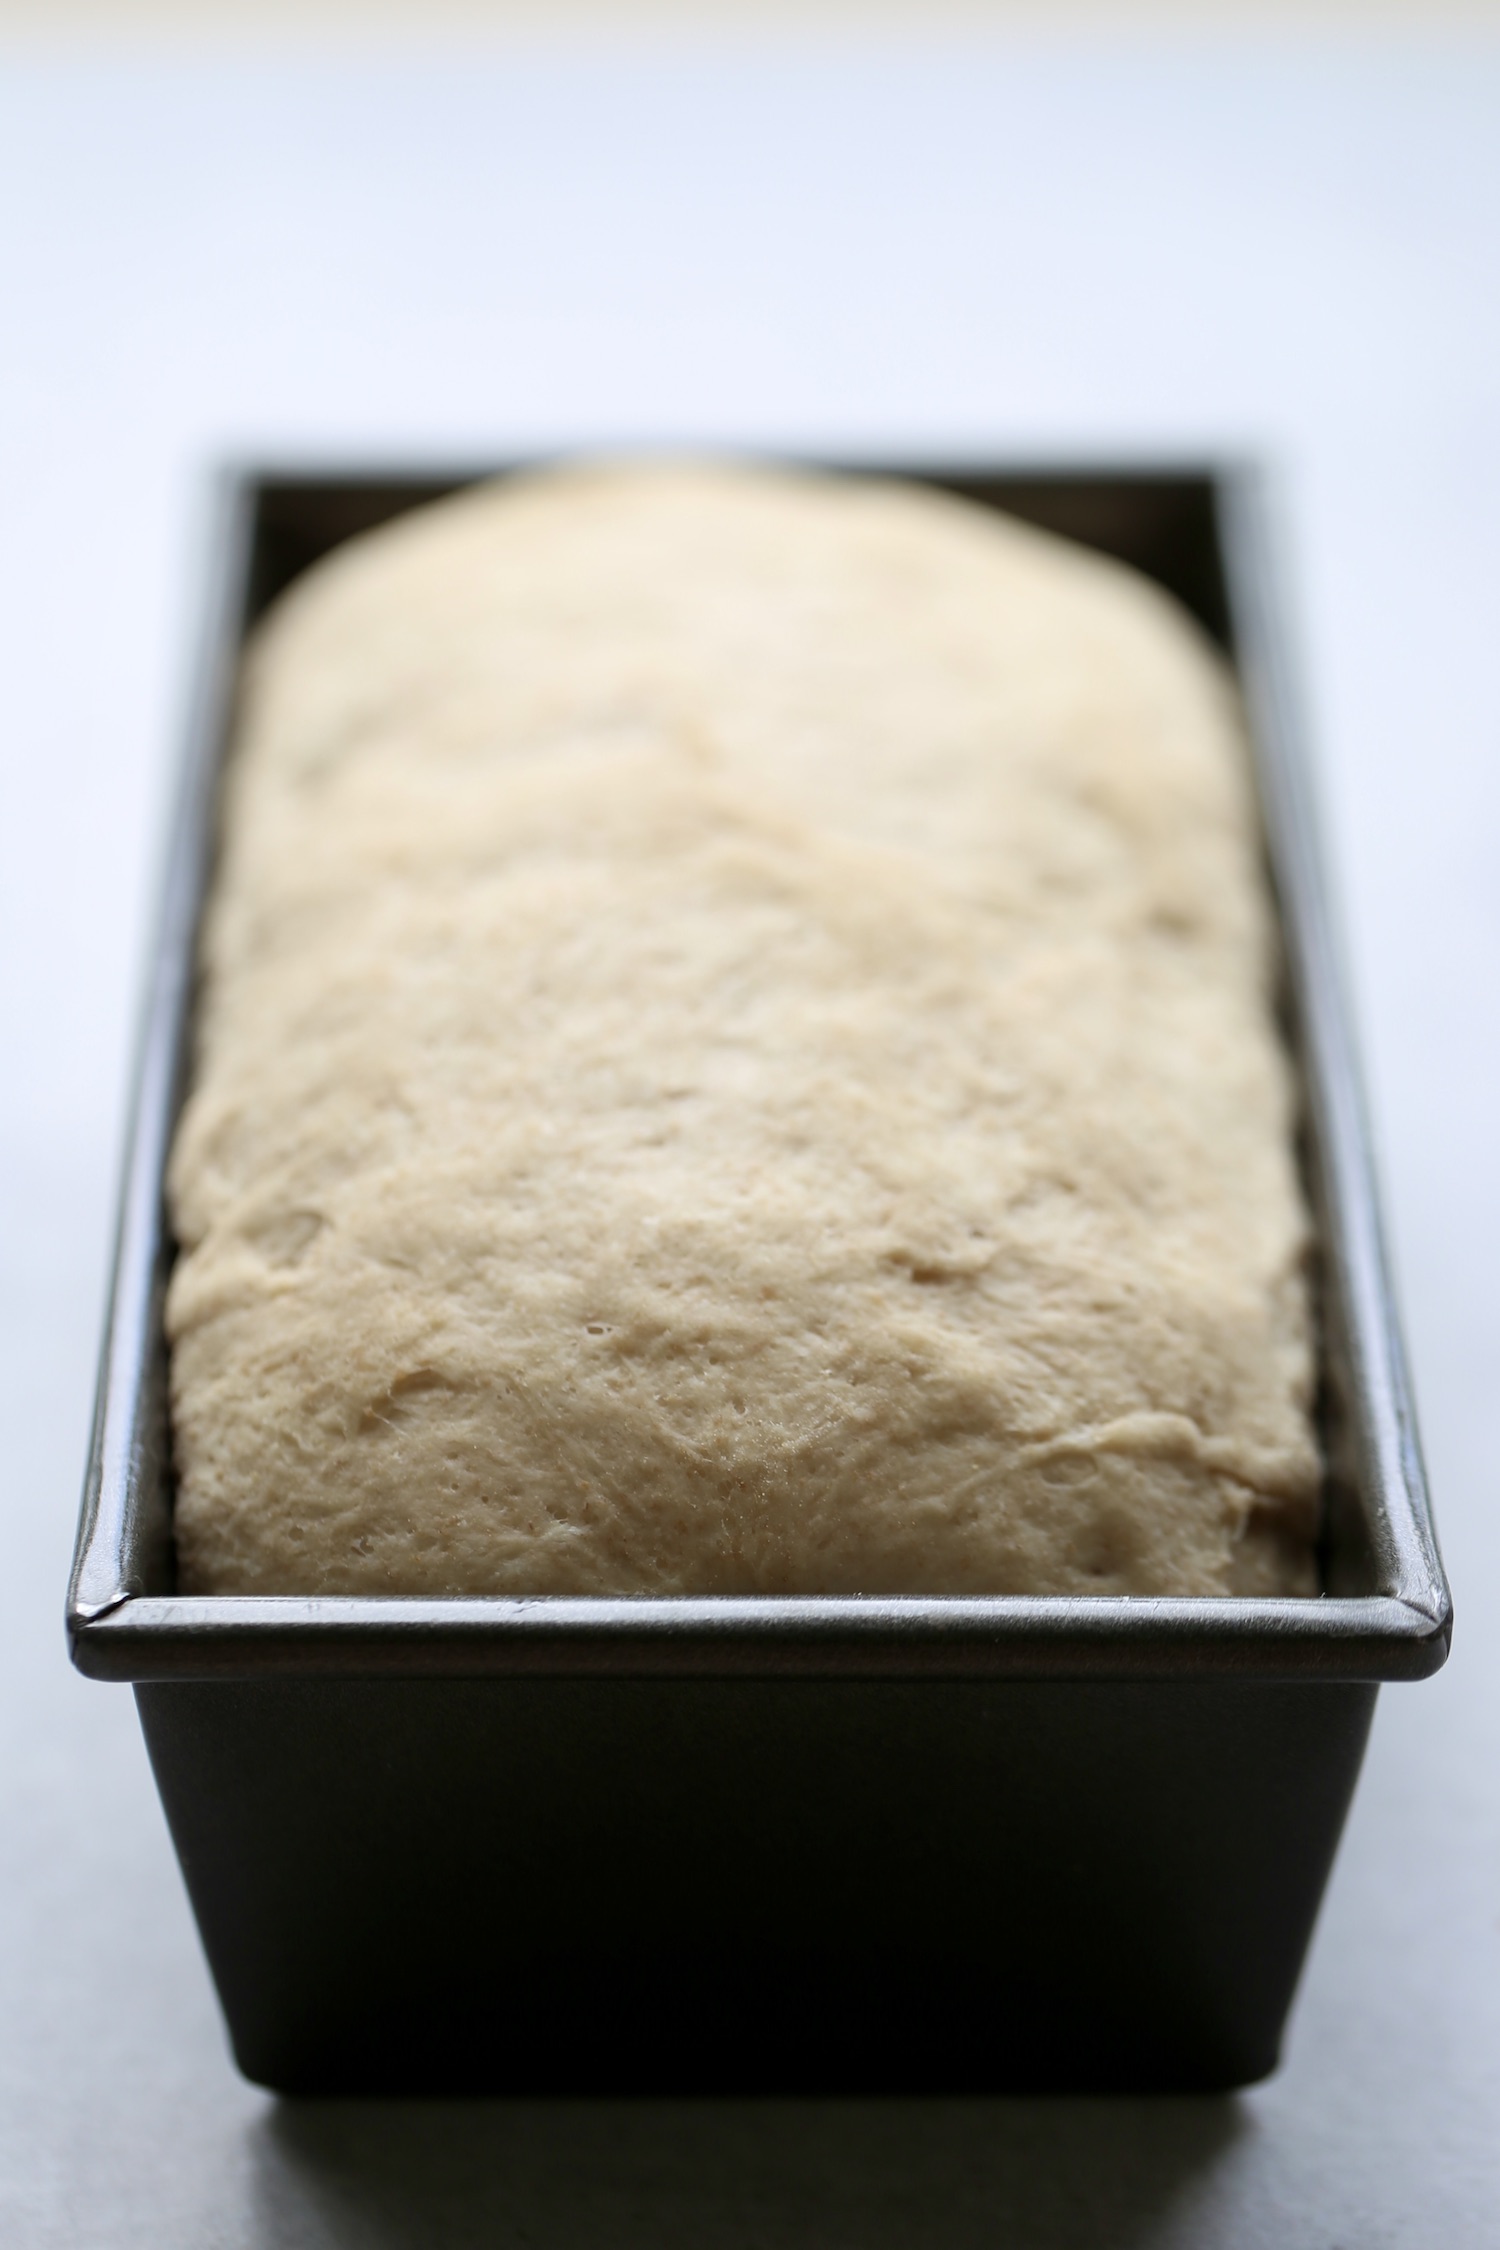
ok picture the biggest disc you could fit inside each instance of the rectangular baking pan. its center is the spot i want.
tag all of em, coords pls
(822, 1845)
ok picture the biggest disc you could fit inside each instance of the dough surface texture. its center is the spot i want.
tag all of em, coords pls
(737, 1055)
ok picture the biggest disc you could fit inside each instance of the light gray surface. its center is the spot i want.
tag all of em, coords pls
(1286, 246)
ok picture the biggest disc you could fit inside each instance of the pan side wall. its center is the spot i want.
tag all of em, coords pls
(784, 1885)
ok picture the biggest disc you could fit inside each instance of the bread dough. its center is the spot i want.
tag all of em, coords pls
(737, 1056)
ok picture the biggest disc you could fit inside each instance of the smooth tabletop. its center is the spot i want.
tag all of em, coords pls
(986, 244)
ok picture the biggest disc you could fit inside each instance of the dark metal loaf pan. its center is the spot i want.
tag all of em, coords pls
(476, 1845)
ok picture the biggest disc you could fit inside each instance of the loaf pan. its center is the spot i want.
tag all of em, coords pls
(846, 1845)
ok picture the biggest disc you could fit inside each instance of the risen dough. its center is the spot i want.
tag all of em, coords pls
(737, 1056)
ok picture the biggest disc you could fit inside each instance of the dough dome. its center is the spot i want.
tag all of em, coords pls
(736, 1055)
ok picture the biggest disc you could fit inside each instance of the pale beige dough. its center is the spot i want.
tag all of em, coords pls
(737, 1056)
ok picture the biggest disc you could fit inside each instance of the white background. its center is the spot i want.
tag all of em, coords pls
(983, 243)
